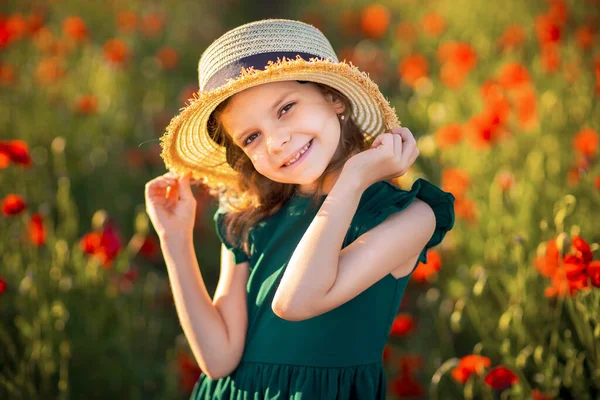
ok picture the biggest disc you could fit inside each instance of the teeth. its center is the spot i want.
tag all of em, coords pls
(302, 151)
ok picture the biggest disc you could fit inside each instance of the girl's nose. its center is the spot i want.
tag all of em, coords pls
(275, 142)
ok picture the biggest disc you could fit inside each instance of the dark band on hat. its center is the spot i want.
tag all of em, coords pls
(257, 61)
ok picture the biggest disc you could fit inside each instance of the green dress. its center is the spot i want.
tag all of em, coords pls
(336, 355)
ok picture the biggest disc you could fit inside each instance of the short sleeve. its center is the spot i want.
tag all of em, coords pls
(238, 254)
(385, 199)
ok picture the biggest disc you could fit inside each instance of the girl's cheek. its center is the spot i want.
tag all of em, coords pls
(258, 160)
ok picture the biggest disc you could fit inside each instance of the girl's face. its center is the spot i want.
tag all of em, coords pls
(273, 123)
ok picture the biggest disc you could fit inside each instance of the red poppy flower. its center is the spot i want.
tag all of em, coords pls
(104, 245)
(7, 74)
(424, 272)
(505, 180)
(167, 57)
(593, 272)
(537, 394)
(585, 142)
(406, 386)
(5, 33)
(19, 152)
(126, 21)
(150, 247)
(13, 204)
(501, 378)
(75, 28)
(130, 275)
(585, 36)
(456, 181)
(403, 324)
(449, 135)
(558, 11)
(526, 107)
(460, 54)
(16, 151)
(189, 372)
(466, 209)
(513, 75)
(513, 37)
(468, 365)
(433, 24)
(17, 25)
(3, 286)
(375, 20)
(152, 24)
(86, 104)
(37, 231)
(35, 22)
(581, 249)
(90, 242)
(116, 51)
(387, 353)
(50, 69)
(486, 128)
(547, 30)
(573, 266)
(412, 68)
(410, 362)
(452, 76)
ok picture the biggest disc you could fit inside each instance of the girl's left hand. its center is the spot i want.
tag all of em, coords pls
(390, 156)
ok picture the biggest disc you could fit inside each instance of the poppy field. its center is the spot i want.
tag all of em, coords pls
(503, 99)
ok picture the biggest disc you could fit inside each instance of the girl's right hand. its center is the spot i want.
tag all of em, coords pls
(390, 156)
(171, 205)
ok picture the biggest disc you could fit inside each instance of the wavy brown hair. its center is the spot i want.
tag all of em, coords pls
(265, 196)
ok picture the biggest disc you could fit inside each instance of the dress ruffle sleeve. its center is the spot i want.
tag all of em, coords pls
(238, 254)
(384, 199)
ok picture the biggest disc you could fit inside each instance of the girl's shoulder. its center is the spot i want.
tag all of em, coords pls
(383, 199)
(385, 196)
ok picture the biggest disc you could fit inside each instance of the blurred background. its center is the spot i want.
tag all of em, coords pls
(501, 96)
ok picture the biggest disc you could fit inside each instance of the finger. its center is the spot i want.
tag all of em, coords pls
(402, 133)
(160, 180)
(409, 155)
(185, 191)
(408, 137)
(156, 197)
(170, 174)
(172, 192)
(397, 145)
(387, 141)
(154, 186)
(376, 142)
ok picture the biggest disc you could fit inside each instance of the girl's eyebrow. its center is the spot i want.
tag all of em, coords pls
(273, 108)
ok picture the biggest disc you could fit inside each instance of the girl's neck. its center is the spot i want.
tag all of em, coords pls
(311, 188)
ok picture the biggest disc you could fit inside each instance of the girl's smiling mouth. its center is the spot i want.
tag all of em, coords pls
(300, 156)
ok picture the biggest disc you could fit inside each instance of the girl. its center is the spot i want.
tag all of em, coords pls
(317, 246)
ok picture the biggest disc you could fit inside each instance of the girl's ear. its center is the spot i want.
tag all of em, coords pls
(336, 102)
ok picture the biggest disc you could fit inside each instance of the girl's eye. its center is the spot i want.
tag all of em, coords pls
(287, 107)
(284, 108)
(246, 143)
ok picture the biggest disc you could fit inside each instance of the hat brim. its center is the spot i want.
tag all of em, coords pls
(187, 147)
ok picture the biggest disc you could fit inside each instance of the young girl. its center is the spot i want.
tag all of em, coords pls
(317, 246)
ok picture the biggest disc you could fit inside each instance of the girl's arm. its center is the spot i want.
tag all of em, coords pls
(320, 277)
(215, 329)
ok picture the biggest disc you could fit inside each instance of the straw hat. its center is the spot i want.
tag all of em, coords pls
(269, 50)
